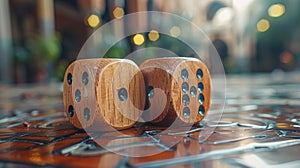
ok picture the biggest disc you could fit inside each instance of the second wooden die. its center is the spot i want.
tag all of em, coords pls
(176, 88)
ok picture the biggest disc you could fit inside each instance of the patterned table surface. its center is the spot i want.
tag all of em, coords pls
(260, 127)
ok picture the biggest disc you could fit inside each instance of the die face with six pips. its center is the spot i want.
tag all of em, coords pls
(100, 94)
(187, 87)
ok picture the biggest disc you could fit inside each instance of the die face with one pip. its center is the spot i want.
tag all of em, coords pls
(186, 84)
(101, 94)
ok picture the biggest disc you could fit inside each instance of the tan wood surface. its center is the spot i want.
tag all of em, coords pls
(99, 93)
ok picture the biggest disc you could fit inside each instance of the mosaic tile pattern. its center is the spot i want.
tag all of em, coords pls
(260, 127)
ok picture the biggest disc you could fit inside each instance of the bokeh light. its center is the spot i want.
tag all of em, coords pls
(138, 39)
(153, 35)
(263, 25)
(118, 12)
(175, 31)
(286, 57)
(276, 10)
(93, 20)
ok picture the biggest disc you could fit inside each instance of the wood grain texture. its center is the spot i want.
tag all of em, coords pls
(166, 74)
(99, 81)
(114, 77)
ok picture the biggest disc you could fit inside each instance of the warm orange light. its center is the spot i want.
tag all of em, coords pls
(118, 12)
(138, 39)
(263, 25)
(286, 57)
(35, 157)
(276, 10)
(93, 20)
(153, 35)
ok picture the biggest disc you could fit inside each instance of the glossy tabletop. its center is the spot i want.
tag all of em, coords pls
(260, 127)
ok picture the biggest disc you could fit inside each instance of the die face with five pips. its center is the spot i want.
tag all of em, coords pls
(103, 93)
(100, 94)
(186, 84)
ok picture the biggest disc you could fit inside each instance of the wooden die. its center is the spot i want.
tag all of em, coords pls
(186, 87)
(100, 94)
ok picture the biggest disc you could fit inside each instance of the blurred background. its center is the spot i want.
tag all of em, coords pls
(40, 38)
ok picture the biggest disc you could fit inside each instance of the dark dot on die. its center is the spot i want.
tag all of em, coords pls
(185, 87)
(122, 94)
(150, 92)
(200, 87)
(186, 112)
(186, 99)
(77, 95)
(199, 73)
(69, 78)
(193, 91)
(71, 111)
(85, 78)
(184, 74)
(201, 98)
(201, 110)
(87, 114)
